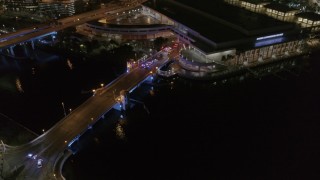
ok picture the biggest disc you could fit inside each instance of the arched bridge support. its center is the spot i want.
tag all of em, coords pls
(124, 100)
(11, 51)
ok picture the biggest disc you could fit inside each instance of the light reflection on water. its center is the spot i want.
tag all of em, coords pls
(19, 86)
(70, 65)
(7, 84)
(120, 132)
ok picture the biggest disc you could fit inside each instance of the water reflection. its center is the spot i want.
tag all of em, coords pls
(7, 83)
(96, 140)
(33, 71)
(120, 132)
(70, 65)
(151, 92)
(19, 86)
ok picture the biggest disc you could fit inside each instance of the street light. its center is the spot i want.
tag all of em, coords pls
(114, 95)
(64, 110)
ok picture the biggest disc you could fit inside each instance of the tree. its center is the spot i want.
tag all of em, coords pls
(80, 6)
(159, 42)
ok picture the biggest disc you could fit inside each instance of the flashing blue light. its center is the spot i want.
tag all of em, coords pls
(270, 36)
(73, 140)
(69, 145)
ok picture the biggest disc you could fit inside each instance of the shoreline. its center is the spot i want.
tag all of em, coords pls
(12, 133)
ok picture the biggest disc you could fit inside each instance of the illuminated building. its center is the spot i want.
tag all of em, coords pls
(234, 2)
(57, 8)
(254, 5)
(281, 12)
(21, 5)
(309, 20)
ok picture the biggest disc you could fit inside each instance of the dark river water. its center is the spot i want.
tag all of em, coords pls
(239, 128)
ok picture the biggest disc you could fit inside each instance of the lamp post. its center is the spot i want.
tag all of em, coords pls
(3, 146)
(114, 95)
(64, 110)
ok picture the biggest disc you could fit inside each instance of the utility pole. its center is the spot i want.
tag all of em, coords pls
(114, 95)
(4, 148)
(2, 159)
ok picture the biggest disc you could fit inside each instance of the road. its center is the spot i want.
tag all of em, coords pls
(31, 33)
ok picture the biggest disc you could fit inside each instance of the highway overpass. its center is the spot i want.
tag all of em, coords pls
(36, 32)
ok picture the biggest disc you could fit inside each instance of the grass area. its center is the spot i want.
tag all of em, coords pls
(12, 133)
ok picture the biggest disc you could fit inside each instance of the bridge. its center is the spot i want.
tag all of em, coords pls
(8, 41)
(52, 146)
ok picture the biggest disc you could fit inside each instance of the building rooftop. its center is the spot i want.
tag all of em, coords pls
(280, 7)
(257, 1)
(137, 20)
(220, 22)
(249, 21)
(309, 15)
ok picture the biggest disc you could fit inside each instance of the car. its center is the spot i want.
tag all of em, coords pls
(39, 163)
(30, 155)
(34, 156)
